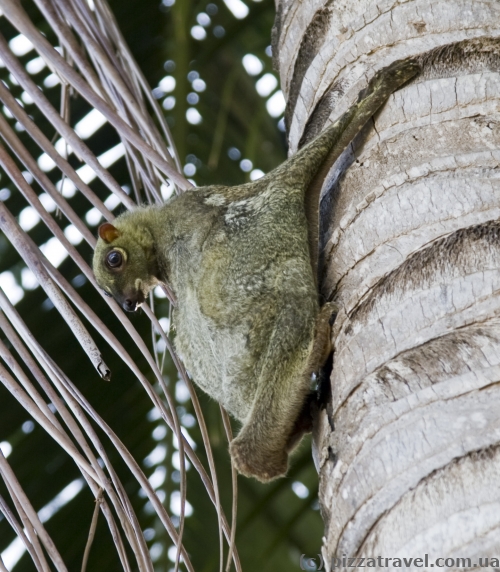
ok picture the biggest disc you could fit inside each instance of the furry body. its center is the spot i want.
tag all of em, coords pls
(229, 303)
(241, 262)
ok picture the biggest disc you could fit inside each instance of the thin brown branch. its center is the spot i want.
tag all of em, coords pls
(21, 21)
(33, 259)
(57, 435)
(69, 135)
(9, 477)
(234, 481)
(40, 563)
(93, 527)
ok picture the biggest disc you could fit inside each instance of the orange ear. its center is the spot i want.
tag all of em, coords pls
(108, 232)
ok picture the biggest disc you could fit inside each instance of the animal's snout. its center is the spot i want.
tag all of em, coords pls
(131, 300)
(130, 305)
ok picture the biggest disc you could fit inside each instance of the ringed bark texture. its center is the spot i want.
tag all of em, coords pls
(408, 449)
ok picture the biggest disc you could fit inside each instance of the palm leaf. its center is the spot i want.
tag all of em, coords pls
(100, 80)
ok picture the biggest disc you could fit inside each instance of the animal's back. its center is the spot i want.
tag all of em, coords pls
(228, 305)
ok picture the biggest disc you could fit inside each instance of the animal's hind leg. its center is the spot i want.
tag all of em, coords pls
(262, 446)
(322, 347)
(260, 449)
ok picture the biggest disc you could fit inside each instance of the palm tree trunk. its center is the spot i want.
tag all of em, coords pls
(408, 446)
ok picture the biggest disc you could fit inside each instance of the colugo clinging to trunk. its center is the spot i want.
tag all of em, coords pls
(242, 264)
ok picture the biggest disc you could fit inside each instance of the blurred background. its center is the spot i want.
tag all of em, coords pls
(209, 66)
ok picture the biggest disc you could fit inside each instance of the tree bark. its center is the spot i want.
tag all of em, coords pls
(408, 447)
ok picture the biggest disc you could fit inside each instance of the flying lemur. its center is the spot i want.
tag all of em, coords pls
(242, 264)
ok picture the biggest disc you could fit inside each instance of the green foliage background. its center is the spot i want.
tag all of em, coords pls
(275, 526)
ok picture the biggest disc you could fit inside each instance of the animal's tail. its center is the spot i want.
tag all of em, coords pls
(330, 144)
(307, 169)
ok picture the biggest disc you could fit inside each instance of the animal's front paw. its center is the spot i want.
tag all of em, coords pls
(254, 461)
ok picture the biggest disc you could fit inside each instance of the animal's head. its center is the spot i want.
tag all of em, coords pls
(125, 262)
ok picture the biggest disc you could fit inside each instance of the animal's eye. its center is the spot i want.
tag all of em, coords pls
(114, 259)
(107, 294)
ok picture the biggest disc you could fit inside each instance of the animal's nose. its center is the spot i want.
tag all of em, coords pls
(129, 305)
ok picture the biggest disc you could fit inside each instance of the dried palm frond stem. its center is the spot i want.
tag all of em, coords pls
(93, 62)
